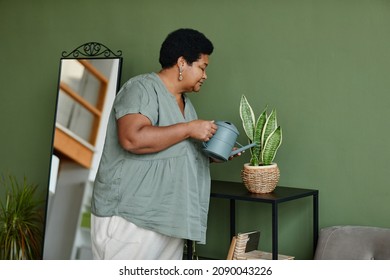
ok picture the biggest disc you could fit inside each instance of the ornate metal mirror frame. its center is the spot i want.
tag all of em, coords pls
(89, 78)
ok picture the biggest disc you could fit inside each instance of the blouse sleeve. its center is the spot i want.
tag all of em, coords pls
(137, 97)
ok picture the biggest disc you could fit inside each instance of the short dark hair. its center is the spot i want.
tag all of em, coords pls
(186, 42)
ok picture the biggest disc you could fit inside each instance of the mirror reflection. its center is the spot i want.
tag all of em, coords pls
(88, 81)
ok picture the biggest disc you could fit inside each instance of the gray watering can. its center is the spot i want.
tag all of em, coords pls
(220, 146)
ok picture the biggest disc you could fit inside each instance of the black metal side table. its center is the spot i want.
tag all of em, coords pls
(236, 191)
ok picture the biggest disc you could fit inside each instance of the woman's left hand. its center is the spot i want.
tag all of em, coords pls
(230, 158)
(236, 155)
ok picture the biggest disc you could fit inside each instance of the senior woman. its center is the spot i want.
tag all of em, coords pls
(152, 187)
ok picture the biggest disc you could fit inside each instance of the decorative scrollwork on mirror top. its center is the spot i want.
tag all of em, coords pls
(92, 49)
(84, 84)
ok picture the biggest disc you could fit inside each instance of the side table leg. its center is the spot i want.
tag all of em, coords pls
(189, 249)
(274, 231)
(315, 222)
(232, 218)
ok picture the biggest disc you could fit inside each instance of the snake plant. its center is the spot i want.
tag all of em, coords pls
(20, 221)
(264, 131)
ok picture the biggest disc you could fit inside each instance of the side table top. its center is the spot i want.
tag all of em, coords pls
(238, 191)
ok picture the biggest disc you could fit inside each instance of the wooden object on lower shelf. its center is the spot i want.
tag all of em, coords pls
(244, 247)
(231, 249)
(260, 255)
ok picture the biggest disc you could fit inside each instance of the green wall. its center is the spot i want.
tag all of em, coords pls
(324, 65)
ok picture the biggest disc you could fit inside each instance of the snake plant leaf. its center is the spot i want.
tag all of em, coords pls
(271, 146)
(247, 117)
(254, 160)
(269, 126)
(258, 131)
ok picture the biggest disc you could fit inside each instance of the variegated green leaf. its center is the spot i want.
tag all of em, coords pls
(247, 117)
(269, 126)
(254, 160)
(258, 131)
(271, 146)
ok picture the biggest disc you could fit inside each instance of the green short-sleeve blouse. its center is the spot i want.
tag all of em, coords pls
(168, 191)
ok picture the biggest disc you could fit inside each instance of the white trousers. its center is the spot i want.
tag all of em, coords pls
(114, 238)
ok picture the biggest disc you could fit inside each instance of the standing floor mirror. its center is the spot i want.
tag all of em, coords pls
(89, 78)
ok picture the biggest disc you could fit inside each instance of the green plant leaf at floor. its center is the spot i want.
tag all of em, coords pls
(21, 221)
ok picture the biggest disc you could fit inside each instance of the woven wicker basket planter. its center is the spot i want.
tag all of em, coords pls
(260, 179)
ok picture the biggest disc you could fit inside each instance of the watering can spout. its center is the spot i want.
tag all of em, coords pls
(243, 148)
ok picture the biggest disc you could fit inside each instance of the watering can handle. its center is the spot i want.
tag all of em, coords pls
(243, 148)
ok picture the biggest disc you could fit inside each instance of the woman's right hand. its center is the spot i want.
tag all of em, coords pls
(202, 130)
